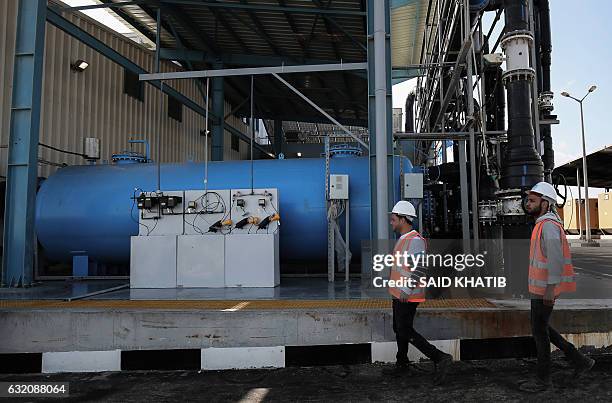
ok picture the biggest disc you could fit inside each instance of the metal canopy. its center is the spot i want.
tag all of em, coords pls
(599, 167)
(258, 33)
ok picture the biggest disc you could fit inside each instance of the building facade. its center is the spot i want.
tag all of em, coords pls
(104, 101)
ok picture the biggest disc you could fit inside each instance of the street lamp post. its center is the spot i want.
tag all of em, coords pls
(587, 213)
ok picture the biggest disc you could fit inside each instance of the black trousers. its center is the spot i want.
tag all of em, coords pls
(543, 335)
(403, 319)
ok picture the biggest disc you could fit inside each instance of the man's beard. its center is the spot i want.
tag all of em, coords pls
(536, 211)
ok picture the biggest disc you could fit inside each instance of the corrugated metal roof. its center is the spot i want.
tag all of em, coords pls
(408, 22)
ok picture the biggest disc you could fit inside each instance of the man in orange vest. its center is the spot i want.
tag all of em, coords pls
(550, 274)
(406, 297)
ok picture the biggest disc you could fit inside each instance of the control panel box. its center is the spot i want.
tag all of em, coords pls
(413, 186)
(254, 212)
(207, 213)
(159, 213)
(339, 187)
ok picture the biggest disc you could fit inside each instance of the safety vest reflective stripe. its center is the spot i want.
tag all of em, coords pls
(538, 264)
(399, 274)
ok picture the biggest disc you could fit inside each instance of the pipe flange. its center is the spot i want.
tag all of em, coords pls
(518, 35)
(527, 74)
(487, 211)
(509, 202)
(129, 157)
(545, 101)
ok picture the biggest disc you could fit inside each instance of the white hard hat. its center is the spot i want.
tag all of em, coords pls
(404, 208)
(546, 190)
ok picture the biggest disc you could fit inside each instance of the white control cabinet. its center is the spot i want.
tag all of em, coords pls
(339, 187)
(200, 261)
(251, 260)
(413, 186)
(153, 261)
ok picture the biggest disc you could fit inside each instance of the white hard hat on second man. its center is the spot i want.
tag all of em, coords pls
(546, 190)
(404, 208)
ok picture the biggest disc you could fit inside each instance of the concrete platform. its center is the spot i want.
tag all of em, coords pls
(237, 327)
(299, 313)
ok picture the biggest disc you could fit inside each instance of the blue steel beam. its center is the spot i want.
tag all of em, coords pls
(54, 18)
(22, 170)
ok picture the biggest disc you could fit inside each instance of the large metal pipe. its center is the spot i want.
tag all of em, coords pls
(523, 166)
(546, 106)
(380, 93)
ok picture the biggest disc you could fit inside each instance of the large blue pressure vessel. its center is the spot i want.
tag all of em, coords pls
(89, 209)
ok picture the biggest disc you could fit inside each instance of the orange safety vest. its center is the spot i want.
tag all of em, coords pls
(398, 272)
(538, 264)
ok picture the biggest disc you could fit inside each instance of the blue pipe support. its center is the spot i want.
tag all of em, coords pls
(22, 169)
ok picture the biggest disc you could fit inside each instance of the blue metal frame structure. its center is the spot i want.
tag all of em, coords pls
(373, 64)
(22, 170)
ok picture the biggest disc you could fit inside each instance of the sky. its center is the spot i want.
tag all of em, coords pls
(581, 57)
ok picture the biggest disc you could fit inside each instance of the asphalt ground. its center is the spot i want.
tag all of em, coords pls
(468, 381)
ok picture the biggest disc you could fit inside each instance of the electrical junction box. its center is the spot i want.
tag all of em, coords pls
(413, 186)
(339, 187)
(159, 214)
(204, 210)
(91, 148)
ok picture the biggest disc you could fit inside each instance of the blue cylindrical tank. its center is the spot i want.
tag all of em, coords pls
(89, 209)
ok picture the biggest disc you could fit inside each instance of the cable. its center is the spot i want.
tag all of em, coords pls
(132, 212)
(155, 226)
(62, 151)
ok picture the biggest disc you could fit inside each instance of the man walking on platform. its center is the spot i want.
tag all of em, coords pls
(406, 299)
(550, 274)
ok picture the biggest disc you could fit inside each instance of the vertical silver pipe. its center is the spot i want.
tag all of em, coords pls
(252, 136)
(206, 144)
(585, 175)
(465, 216)
(470, 114)
(579, 202)
(161, 103)
(534, 85)
(380, 92)
(347, 240)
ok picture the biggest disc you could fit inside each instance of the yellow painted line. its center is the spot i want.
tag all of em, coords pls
(236, 305)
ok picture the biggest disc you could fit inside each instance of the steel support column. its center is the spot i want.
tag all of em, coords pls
(380, 117)
(470, 117)
(218, 107)
(278, 136)
(463, 184)
(22, 170)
